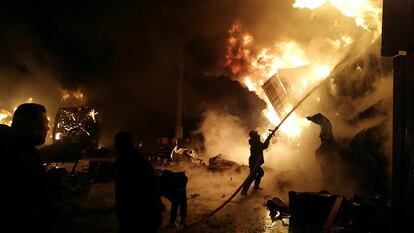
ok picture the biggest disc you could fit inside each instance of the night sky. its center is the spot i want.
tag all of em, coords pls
(124, 55)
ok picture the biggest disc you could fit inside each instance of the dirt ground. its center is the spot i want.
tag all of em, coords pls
(206, 190)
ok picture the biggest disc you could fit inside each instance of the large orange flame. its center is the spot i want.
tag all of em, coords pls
(253, 67)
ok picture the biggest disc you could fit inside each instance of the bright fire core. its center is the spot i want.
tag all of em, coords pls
(253, 69)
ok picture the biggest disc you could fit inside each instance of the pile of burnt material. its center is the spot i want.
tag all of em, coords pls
(322, 212)
(218, 163)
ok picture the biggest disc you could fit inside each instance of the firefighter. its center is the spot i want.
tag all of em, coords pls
(256, 160)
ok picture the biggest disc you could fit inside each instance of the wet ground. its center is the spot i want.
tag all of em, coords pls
(206, 191)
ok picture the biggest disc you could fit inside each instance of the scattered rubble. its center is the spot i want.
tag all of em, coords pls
(217, 163)
(182, 154)
(278, 209)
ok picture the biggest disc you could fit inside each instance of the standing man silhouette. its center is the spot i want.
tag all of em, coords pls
(28, 205)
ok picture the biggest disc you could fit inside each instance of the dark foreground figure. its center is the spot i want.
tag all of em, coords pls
(256, 160)
(137, 195)
(173, 186)
(28, 204)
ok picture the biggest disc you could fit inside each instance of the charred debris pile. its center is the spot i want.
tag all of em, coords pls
(313, 212)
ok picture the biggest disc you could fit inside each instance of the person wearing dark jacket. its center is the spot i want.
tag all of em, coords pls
(255, 160)
(137, 195)
(28, 200)
(173, 186)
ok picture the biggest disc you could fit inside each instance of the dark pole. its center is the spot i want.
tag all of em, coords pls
(178, 122)
(398, 42)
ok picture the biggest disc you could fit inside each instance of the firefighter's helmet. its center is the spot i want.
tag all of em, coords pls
(253, 133)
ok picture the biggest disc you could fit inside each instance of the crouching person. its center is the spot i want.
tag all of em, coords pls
(173, 186)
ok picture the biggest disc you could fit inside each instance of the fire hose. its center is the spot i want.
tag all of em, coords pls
(257, 164)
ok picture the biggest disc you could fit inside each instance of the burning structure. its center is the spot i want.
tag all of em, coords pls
(289, 85)
(77, 125)
(276, 92)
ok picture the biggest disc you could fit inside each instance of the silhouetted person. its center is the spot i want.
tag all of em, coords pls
(137, 196)
(4, 134)
(173, 186)
(28, 204)
(256, 160)
(327, 155)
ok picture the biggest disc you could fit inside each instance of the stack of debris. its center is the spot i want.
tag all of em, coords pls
(217, 163)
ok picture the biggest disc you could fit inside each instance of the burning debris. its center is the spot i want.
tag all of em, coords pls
(77, 125)
(75, 141)
(276, 92)
(290, 85)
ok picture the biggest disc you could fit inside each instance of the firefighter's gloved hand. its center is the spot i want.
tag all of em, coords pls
(276, 129)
